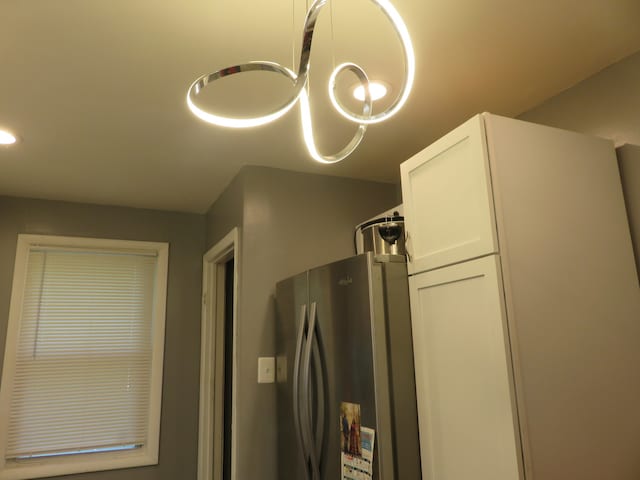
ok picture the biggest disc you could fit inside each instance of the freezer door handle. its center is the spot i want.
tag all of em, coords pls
(297, 420)
(313, 442)
(319, 375)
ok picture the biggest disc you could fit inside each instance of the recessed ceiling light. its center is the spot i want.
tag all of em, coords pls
(7, 138)
(377, 89)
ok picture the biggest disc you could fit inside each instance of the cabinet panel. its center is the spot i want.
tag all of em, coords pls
(572, 298)
(448, 202)
(463, 379)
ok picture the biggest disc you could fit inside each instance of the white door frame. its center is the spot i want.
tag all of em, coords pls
(211, 417)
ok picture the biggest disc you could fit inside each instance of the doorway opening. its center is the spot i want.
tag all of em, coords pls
(216, 437)
(228, 365)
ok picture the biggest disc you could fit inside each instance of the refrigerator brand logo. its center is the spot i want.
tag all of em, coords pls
(346, 281)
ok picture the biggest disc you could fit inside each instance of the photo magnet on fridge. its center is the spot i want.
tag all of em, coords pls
(350, 428)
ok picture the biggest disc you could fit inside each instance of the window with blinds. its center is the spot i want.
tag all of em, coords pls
(82, 372)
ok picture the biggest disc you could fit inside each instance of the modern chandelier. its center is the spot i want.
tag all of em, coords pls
(300, 81)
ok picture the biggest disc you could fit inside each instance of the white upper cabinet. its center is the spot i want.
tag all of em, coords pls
(446, 190)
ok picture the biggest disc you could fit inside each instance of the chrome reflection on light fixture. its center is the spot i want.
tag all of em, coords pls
(203, 81)
(307, 126)
(300, 87)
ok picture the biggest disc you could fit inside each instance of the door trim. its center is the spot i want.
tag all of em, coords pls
(211, 411)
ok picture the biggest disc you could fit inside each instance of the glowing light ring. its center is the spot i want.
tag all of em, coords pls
(300, 79)
(197, 86)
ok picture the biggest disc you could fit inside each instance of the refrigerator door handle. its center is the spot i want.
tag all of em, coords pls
(320, 396)
(297, 420)
(307, 401)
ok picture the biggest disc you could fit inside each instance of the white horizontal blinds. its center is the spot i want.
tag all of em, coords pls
(83, 366)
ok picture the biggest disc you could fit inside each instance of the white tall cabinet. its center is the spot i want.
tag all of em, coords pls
(525, 306)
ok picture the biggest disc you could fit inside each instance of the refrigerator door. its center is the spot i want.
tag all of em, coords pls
(349, 325)
(406, 447)
(292, 313)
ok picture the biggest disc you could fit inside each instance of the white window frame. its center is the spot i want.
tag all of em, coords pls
(86, 462)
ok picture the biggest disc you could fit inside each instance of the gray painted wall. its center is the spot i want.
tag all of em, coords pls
(606, 104)
(226, 212)
(186, 234)
(289, 222)
(629, 160)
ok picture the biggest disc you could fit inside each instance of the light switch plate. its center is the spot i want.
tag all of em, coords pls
(266, 369)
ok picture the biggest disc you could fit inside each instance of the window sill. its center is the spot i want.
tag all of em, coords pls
(76, 464)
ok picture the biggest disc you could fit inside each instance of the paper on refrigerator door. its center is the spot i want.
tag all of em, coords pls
(356, 467)
(367, 438)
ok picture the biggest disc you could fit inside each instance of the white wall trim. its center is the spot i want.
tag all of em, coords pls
(211, 420)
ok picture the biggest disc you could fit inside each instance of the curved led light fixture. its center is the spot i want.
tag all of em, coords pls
(300, 82)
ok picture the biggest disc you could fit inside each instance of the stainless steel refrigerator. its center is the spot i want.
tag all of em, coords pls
(344, 338)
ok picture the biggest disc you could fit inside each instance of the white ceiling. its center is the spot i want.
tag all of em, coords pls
(96, 89)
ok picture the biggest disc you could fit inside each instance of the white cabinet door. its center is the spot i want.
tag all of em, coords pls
(468, 427)
(446, 190)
